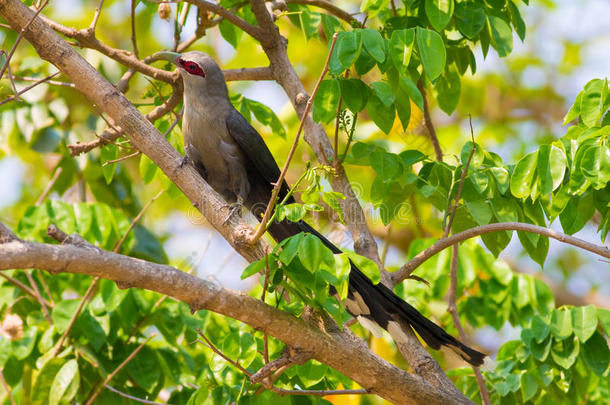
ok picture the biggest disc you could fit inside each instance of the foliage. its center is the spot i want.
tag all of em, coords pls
(375, 74)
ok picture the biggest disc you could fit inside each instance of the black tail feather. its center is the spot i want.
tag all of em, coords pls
(383, 305)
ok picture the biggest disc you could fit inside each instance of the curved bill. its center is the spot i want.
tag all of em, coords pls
(169, 56)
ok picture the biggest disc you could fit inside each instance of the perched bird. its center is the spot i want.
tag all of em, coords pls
(234, 159)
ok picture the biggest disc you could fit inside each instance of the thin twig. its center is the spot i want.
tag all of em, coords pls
(116, 370)
(393, 6)
(278, 185)
(21, 286)
(337, 118)
(136, 220)
(7, 388)
(456, 321)
(386, 245)
(444, 243)
(93, 284)
(121, 158)
(10, 77)
(164, 297)
(96, 16)
(35, 79)
(428, 122)
(254, 31)
(19, 36)
(279, 391)
(28, 88)
(134, 42)
(39, 297)
(461, 185)
(49, 186)
(125, 395)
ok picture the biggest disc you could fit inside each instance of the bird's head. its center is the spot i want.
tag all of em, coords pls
(198, 70)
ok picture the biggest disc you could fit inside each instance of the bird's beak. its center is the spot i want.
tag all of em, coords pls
(169, 56)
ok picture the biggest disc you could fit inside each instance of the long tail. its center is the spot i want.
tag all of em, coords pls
(378, 305)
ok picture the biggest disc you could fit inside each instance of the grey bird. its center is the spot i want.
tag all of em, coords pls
(234, 159)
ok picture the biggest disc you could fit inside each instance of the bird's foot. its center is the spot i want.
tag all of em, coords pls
(234, 209)
(184, 160)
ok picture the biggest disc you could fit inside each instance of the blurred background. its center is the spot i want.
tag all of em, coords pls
(515, 102)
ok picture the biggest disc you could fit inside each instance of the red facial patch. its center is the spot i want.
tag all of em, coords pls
(191, 67)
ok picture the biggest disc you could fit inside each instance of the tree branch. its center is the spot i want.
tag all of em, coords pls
(444, 243)
(341, 350)
(285, 75)
(428, 122)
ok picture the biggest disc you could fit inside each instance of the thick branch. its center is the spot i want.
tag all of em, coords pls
(284, 73)
(412, 264)
(341, 351)
(142, 134)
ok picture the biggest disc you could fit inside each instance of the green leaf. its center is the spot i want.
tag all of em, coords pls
(374, 44)
(148, 168)
(541, 350)
(312, 253)
(522, 179)
(386, 165)
(290, 248)
(517, 20)
(355, 94)
(254, 268)
(510, 384)
(332, 199)
(63, 312)
(65, 384)
(384, 91)
(405, 84)
(470, 18)
(574, 111)
(432, 52)
(109, 152)
(561, 324)
(577, 213)
(326, 101)
(596, 353)
(44, 381)
(591, 103)
(144, 368)
(529, 386)
(604, 318)
(411, 156)
(330, 25)
(401, 48)
(448, 90)
(501, 35)
(439, 13)
(230, 32)
(480, 211)
(584, 322)
(403, 106)
(595, 164)
(247, 352)
(382, 115)
(565, 352)
(366, 266)
(348, 49)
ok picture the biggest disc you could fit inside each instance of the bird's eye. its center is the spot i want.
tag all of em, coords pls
(192, 68)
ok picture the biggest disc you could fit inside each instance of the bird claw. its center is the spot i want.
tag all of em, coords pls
(184, 160)
(234, 209)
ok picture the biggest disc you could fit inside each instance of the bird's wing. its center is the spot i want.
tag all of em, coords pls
(253, 146)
